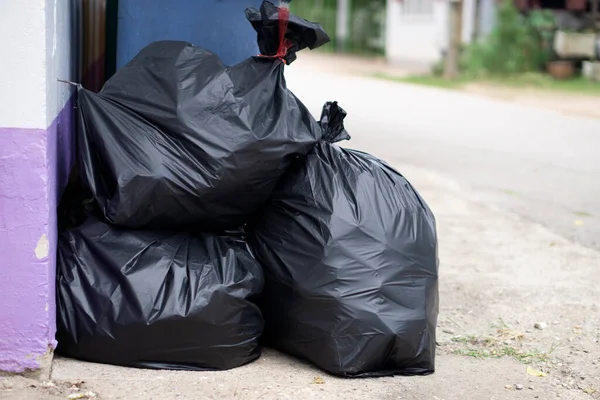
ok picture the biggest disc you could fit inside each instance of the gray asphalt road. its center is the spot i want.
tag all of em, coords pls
(538, 163)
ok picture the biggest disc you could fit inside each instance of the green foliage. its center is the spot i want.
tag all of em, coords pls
(321, 11)
(365, 21)
(517, 44)
(438, 68)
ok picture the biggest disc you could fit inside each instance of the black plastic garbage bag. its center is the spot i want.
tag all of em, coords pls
(349, 252)
(175, 138)
(157, 299)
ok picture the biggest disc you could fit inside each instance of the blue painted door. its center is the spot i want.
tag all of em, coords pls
(217, 25)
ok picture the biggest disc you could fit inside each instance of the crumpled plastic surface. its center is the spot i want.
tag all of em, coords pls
(154, 299)
(349, 252)
(177, 139)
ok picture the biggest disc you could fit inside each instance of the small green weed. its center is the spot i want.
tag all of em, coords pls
(525, 357)
(506, 342)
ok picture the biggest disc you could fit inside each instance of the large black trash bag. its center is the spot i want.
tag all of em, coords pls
(153, 299)
(176, 138)
(349, 252)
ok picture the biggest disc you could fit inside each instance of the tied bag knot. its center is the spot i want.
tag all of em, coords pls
(280, 34)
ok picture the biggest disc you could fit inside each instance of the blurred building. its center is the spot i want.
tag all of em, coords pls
(417, 31)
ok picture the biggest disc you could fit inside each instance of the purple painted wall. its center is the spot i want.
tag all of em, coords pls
(24, 327)
(34, 167)
(58, 39)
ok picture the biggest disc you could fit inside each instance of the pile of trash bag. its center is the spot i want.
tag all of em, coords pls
(175, 153)
(210, 212)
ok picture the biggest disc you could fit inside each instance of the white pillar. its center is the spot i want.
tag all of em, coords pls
(342, 23)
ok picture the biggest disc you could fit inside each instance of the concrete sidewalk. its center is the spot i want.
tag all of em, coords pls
(499, 276)
(347, 64)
